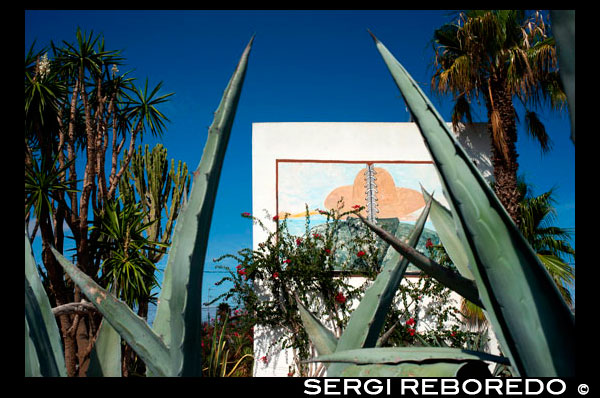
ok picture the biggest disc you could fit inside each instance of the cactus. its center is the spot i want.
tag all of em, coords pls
(173, 346)
(154, 183)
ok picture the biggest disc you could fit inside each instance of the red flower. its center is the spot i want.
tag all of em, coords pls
(287, 261)
(242, 271)
(411, 331)
(298, 241)
(275, 275)
(340, 298)
(327, 251)
(322, 212)
(453, 333)
(316, 235)
(429, 243)
(239, 266)
(360, 253)
(264, 359)
(275, 218)
(356, 207)
(410, 322)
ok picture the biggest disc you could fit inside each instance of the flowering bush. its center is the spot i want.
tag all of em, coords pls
(313, 268)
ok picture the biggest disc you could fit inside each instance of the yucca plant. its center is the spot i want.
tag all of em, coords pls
(172, 347)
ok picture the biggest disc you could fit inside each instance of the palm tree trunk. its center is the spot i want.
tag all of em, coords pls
(502, 124)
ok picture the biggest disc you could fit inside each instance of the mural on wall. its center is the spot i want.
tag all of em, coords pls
(389, 191)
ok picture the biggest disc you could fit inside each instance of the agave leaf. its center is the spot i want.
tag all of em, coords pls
(32, 364)
(396, 355)
(324, 340)
(444, 275)
(105, 358)
(178, 317)
(133, 329)
(367, 320)
(38, 334)
(411, 369)
(530, 318)
(37, 288)
(445, 227)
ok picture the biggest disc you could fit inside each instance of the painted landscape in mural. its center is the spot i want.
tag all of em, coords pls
(390, 193)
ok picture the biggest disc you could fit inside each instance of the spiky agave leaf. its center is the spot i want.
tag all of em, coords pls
(133, 329)
(444, 275)
(445, 227)
(367, 320)
(178, 316)
(410, 361)
(38, 337)
(54, 353)
(323, 339)
(531, 320)
(105, 358)
(396, 355)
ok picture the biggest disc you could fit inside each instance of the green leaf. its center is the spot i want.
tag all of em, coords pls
(323, 339)
(41, 300)
(408, 369)
(133, 329)
(444, 275)
(367, 320)
(105, 359)
(38, 336)
(534, 325)
(412, 362)
(446, 229)
(32, 364)
(396, 355)
(178, 316)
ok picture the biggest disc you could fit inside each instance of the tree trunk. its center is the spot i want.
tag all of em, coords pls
(504, 152)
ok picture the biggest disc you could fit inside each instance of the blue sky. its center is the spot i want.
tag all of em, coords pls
(305, 66)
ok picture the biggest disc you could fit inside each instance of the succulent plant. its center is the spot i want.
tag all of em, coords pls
(530, 318)
(172, 347)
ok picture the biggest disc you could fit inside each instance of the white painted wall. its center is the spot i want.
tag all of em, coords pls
(334, 141)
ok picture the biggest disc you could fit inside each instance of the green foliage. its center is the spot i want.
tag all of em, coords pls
(43, 184)
(151, 181)
(274, 282)
(126, 270)
(227, 347)
(267, 280)
(173, 346)
(512, 282)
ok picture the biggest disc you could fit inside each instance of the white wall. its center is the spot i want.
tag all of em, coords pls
(334, 141)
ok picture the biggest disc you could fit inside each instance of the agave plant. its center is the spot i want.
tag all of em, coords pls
(530, 318)
(172, 347)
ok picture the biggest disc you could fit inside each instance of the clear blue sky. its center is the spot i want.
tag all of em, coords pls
(305, 66)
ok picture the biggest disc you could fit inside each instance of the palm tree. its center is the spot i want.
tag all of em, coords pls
(73, 102)
(549, 242)
(499, 56)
